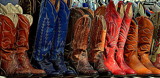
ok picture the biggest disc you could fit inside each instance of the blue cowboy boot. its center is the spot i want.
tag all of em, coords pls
(45, 37)
(57, 55)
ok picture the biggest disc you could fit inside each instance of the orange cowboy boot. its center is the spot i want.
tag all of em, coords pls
(145, 34)
(22, 46)
(130, 51)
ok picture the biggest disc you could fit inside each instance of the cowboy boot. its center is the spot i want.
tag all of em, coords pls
(79, 55)
(155, 50)
(122, 39)
(57, 55)
(130, 52)
(45, 36)
(145, 32)
(74, 15)
(97, 41)
(7, 41)
(113, 21)
(22, 46)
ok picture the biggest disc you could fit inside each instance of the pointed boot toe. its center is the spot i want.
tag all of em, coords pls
(119, 72)
(130, 71)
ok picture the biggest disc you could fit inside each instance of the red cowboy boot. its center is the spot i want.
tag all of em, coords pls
(131, 55)
(22, 46)
(7, 41)
(113, 21)
(145, 34)
(97, 41)
(122, 38)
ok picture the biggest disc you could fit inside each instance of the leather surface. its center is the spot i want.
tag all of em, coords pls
(131, 55)
(79, 55)
(113, 22)
(122, 38)
(145, 32)
(7, 41)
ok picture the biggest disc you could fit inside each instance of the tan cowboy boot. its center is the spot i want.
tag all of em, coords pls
(22, 46)
(145, 34)
(7, 41)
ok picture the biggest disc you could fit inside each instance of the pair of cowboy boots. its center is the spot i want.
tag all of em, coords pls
(113, 20)
(50, 40)
(138, 47)
(14, 44)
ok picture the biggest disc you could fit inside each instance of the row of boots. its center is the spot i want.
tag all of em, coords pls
(14, 44)
(109, 40)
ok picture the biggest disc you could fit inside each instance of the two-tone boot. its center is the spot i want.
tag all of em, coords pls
(97, 41)
(7, 41)
(79, 54)
(24, 66)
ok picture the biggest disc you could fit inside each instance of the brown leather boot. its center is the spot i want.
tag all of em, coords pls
(74, 15)
(100, 11)
(131, 55)
(97, 41)
(145, 34)
(7, 41)
(22, 46)
(79, 55)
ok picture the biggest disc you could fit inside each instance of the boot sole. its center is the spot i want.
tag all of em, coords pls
(38, 75)
(19, 76)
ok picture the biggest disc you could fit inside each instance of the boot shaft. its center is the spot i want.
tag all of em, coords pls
(145, 34)
(132, 40)
(22, 34)
(8, 34)
(97, 40)
(81, 33)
